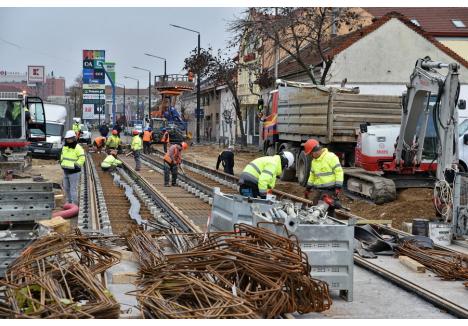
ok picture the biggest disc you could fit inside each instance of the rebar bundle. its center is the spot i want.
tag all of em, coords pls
(56, 277)
(447, 265)
(266, 272)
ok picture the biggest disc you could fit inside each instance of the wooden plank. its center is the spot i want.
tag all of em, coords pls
(124, 277)
(412, 264)
(387, 119)
(310, 109)
(364, 221)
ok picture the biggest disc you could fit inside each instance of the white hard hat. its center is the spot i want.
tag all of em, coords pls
(76, 119)
(290, 157)
(70, 134)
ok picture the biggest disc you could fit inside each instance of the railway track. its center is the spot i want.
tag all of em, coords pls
(187, 208)
(201, 180)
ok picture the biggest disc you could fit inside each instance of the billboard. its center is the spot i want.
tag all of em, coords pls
(110, 67)
(94, 78)
(36, 74)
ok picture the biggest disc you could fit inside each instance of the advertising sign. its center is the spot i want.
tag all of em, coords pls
(36, 74)
(94, 77)
(88, 111)
(110, 67)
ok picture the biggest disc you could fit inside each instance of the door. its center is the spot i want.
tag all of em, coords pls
(36, 121)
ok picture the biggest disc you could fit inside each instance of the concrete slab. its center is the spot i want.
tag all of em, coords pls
(375, 297)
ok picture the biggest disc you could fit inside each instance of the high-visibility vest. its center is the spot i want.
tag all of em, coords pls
(109, 161)
(263, 171)
(76, 127)
(175, 149)
(16, 110)
(100, 141)
(113, 141)
(70, 156)
(147, 135)
(137, 143)
(326, 171)
(165, 137)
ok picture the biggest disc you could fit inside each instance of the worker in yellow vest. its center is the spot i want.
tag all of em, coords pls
(136, 146)
(72, 160)
(259, 176)
(111, 162)
(147, 138)
(326, 174)
(77, 127)
(113, 142)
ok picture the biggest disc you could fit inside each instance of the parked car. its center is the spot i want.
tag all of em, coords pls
(85, 135)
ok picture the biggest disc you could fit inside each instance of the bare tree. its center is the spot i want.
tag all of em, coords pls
(220, 69)
(300, 33)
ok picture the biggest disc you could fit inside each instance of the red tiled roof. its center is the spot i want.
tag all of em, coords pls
(340, 43)
(435, 21)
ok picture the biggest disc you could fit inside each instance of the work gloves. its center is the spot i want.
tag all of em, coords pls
(338, 191)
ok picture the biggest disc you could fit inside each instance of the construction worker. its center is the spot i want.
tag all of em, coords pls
(172, 159)
(99, 143)
(165, 139)
(136, 147)
(259, 176)
(111, 161)
(77, 127)
(226, 157)
(113, 142)
(147, 138)
(326, 173)
(72, 160)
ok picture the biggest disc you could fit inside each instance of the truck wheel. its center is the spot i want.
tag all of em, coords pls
(288, 175)
(303, 168)
(270, 151)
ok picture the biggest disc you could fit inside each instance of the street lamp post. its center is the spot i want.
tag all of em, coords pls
(155, 56)
(138, 94)
(198, 113)
(149, 91)
(124, 115)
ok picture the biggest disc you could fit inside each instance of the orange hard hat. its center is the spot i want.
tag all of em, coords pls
(114, 132)
(136, 132)
(311, 145)
(184, 145)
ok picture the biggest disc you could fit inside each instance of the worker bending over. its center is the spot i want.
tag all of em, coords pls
(226, 157)
(136, 147)
(259, 176)
(113, 142)
(72, 160)
(165, 139)
(111, 161)
(99, 143)
(326, 173)
(172, 159)
(147, 138)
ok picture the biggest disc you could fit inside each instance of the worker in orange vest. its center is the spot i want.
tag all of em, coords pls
(165, 139)
(172, 159)
(147, 138)
(99, 143)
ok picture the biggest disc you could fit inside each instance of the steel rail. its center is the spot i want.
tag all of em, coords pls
(425, 294)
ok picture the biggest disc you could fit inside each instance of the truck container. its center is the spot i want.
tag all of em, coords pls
(299, 111)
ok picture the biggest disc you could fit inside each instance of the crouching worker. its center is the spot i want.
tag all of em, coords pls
(259, 176)
(99, 143)
(111, 162)
(72, 160)
(172, 160)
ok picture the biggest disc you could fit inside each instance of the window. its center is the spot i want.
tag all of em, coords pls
(415, 21)
(458, 23)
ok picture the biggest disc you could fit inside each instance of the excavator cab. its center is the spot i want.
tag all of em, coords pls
(36, 124)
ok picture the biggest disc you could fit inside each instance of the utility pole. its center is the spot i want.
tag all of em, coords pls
(276, 51)
(198, 112)
(149, 91)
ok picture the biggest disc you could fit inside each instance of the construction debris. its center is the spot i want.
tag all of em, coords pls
(447, 265)
(57, 277)
(251, 272)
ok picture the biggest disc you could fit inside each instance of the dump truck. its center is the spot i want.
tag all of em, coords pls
(298, 111)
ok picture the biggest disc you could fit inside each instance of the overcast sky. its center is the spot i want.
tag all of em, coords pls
(55, 38)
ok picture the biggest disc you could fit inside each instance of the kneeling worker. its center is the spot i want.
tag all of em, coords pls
(72, 160)
(326, 173)
(99, 143)
(226, 157)
(259, 176)
(172, 159)
(111, 161)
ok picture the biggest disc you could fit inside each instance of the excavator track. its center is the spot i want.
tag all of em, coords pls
(376, 188)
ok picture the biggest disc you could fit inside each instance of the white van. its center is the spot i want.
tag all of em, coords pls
(56, 116)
